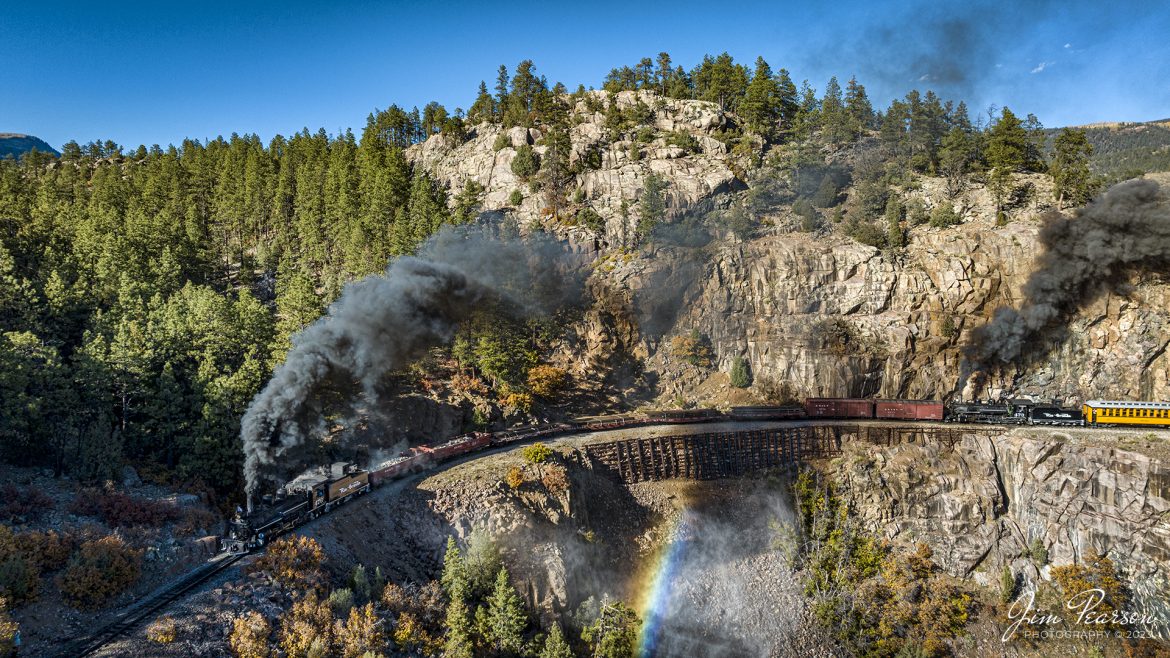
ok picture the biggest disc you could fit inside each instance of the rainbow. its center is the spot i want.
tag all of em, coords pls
(657, 584)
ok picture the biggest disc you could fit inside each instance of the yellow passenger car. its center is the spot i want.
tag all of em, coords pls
(1120, 412)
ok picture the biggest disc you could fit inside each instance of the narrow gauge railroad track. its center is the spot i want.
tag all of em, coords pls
(130, 618)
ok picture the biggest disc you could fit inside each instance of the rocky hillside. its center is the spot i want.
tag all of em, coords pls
(812, 311)
(1028, 498)
(14, 145)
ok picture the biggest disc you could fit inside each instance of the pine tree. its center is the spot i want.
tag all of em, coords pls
(664, 73)
(857, 108)
(1007, 143)
(501, 92)
(614, 634)
(459, 643)
(484, 107)
(834, 121)
(1071, 179)
(555, 645)
(788, 100)
(895, 236)
(760, 108)
(455, 586)
(808, 113)
(454, 578)
(506, 616)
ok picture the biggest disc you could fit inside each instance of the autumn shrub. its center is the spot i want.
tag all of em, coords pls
(294, 562)
(249, 636)
(694, 348)
(48, 550)
(411, 636)
(8, 630)
(515, 477)
(419, 611)
(466, 383)
(555, 479)
(120, 510)
(100, 570)
(547, 381)
(875, 599)
(1095, 572)
(163, 630)
(194, 520)
(28, 503)
(518, 401)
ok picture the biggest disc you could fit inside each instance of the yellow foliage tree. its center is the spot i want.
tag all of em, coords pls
(361, 633)
(309, 622)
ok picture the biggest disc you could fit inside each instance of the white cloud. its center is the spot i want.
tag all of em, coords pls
(1068, 45)
(1041, 66)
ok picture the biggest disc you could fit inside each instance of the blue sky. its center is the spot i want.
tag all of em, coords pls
(156, 72)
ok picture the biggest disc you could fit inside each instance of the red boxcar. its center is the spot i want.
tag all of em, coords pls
(909, 409)
(838, 408)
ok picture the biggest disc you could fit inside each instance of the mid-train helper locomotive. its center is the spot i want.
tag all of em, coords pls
(320, 490)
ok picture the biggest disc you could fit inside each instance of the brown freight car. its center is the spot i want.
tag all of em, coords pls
(838, 408)
(909, 409)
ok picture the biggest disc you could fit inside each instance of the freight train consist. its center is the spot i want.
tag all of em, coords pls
(320, 490)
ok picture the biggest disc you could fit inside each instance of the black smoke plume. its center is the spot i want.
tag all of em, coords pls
(1126, 229)
(382, 323)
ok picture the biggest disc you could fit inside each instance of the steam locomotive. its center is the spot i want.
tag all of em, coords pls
(320, 490)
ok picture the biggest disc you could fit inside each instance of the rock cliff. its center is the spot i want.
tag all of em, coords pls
(812, 313)
(1028, 498)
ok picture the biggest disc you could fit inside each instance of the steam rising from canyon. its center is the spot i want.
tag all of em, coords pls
(383, 322)
(1126, 229)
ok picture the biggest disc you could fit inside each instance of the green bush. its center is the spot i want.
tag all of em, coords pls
(526, 163)
(684, 141)
(943, 216)
(589, 218)
(502, 142)
(740, 375)
(537, 453)
(515, 198)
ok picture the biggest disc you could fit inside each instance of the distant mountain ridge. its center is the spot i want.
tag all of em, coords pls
(1123, 149)
(14, 145)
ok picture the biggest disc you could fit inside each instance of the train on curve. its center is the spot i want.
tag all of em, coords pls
(320, 490)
